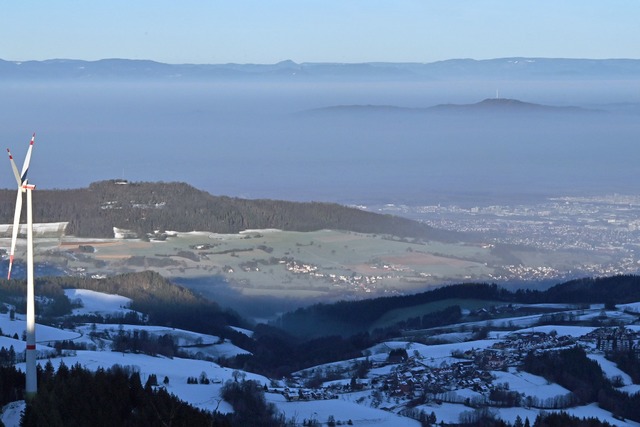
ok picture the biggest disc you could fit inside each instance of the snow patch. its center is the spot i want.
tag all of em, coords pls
(97, 302)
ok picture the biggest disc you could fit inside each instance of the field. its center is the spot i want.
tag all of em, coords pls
(319, 265)
(394, 316)
(280, 263)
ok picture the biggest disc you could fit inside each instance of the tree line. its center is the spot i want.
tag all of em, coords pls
(75, 396)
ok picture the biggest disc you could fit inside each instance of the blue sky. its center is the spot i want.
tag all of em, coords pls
(260, 31)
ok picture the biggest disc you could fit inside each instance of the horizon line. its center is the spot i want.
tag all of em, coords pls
(532, 58)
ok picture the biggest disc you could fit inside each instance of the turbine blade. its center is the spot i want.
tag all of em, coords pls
(27, 160)
(15, 169)
(14, 232)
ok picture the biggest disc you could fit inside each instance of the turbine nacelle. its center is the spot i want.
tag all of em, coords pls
(23, 187)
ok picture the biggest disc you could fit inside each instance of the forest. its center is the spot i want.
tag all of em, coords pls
(75, 396)
(353, 317)
(146, 208)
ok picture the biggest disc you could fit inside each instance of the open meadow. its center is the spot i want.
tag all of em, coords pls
(312, 266)
(278, 263)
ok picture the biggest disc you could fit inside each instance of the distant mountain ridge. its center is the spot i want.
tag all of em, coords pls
(501, 68)
(145, 207)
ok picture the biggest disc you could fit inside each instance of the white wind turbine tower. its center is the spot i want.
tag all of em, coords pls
(31, 387)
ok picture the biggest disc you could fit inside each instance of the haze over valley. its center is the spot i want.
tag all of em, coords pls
(264, 137)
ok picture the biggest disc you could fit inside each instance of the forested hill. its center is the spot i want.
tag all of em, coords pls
(145, 207)
(353, 317)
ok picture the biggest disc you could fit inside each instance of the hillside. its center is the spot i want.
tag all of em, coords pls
(162, 301)
(420, 311)
(146, 207)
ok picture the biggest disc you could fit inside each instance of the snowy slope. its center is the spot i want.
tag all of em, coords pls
(98, 303)
(355, 406)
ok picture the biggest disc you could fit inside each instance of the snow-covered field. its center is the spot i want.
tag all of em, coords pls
(355, 406)
(610, 369)
(431, 355)
(342, 410)
(97, 302)
(529, 385)
(568, 330)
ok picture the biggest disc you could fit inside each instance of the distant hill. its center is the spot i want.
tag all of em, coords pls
(487, 106)
(615, 290)
(145, 207)
(454, 69)
(506, 105)
(353, 317)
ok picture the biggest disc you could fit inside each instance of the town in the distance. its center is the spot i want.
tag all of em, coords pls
(606, 226)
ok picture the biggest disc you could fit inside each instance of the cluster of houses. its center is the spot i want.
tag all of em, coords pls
(413, 377)
(614, 339)
(307, 394)
(513, 348)
(359, 282)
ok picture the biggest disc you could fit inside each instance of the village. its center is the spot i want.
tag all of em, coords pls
(351, 282)
(475, 377)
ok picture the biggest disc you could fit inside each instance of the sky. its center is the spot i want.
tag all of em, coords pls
(258, 31)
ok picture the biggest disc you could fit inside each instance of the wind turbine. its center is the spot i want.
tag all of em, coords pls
(31, 387)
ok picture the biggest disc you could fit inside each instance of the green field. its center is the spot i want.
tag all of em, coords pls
(319, 265)
(282, 263)
(394, 316)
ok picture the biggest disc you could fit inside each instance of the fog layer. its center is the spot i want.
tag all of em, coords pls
(258, 140)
